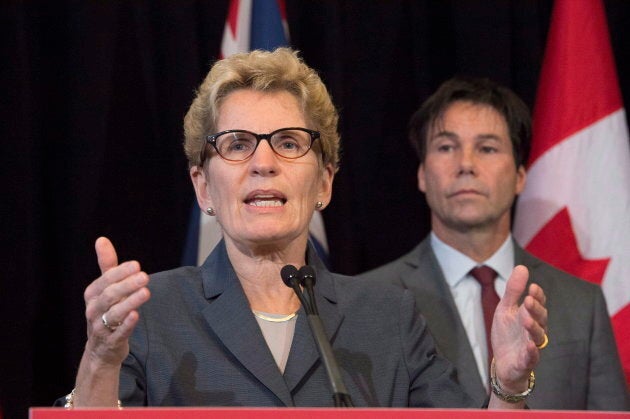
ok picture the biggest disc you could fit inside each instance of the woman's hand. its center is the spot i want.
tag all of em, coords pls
(113, 297)
(111, 303)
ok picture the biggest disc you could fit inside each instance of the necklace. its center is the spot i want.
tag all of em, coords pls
(260, 315)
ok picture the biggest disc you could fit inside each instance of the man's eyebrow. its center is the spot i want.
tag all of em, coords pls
(443, 134)
(453, 136)
(488, 137)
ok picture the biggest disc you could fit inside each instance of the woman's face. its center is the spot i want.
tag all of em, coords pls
(266, 199)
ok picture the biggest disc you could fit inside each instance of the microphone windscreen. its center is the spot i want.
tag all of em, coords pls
(307, 271)
(288, 273)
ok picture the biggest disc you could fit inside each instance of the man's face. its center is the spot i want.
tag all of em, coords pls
(469, 174)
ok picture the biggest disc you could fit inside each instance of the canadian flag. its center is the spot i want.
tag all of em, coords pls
(575, 210)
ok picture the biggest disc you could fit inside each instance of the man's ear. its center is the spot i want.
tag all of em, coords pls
(521, 179)
(421, 178)
(200, 181)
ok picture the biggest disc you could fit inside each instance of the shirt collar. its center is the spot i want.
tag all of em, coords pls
(456, 265)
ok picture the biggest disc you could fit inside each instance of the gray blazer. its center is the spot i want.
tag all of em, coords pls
(580, 369)
(198, 344)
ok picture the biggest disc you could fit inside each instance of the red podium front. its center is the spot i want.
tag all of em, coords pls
(313, 413)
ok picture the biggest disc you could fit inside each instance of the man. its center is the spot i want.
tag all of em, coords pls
(472, 139)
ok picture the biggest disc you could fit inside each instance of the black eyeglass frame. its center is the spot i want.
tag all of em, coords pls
(212, 140)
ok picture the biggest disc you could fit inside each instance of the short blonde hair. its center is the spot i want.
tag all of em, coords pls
(263, 71)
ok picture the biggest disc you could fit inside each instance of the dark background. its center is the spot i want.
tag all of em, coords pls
(92, 100)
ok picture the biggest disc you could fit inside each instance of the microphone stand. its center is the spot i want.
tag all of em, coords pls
(306, 276)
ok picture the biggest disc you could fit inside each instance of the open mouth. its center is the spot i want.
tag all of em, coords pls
(265, 200)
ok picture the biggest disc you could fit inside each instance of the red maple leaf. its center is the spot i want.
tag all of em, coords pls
(555, 243)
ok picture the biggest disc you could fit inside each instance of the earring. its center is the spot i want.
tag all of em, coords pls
(319, 204)
(210, 211)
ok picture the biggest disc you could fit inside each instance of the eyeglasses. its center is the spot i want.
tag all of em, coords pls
(239, 145)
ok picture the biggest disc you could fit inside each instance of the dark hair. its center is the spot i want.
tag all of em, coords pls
(477, 91)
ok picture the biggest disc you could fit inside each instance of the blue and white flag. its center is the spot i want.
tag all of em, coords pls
(250, 24)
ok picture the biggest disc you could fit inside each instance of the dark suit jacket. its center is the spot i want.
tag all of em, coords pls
(580, 368)
(198, 344)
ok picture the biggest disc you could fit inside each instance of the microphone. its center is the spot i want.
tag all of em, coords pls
(289, 274)
(307, 273)
(306, 277)
(290, 277)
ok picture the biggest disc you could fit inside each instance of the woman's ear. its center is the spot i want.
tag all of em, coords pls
(199, 178)
(324, 193)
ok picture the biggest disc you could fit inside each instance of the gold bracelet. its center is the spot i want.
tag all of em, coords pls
(70, 400)
(506, 397)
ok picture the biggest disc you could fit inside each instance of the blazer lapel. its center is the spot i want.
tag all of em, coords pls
(230, 317)
(435, 302)
(521, 257)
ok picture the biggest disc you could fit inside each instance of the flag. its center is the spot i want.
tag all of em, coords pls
(575, 210)
(250, 24)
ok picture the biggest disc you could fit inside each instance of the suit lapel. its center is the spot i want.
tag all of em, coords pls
(435, 301)
(230, 317)
(521, 257)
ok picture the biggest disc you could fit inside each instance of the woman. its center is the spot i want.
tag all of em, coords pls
(230, 332)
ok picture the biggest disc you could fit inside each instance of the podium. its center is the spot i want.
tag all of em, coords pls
(314, 413)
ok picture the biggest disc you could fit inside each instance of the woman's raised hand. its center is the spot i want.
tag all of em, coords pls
(111, 303)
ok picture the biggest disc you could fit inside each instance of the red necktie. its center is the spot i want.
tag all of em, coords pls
(485, 275)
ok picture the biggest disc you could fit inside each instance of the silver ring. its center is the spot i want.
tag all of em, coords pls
(109, 327)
